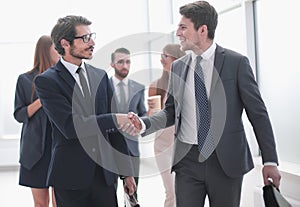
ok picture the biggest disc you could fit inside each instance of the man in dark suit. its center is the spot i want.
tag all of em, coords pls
(128, 96)
(77, 98)
(212, 85)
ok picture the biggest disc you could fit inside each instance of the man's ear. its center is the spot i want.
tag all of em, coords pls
(202, 29)
(64, 43)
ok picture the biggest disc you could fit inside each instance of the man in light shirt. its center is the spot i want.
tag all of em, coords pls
(212, 166)
(128, 96)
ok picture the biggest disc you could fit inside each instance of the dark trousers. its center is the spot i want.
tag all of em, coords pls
(195, 180)
(98, 194)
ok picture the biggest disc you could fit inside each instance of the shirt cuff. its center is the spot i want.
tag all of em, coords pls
(143, 126)
(142, 123)
(270, 164)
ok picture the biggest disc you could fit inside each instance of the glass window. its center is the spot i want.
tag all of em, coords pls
(278, 41)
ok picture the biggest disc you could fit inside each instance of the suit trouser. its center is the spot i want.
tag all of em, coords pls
(194, 180)
(98, 194)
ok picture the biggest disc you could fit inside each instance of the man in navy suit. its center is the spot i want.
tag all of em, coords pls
(214, 167)
(128, 96)
(77, 99)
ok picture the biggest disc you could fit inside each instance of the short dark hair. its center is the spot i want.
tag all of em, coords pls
(201, 13)
(119, 50)
(65, 28)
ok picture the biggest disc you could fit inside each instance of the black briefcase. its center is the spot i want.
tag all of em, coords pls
(273, 197)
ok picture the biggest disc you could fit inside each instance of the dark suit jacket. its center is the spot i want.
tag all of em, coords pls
(136, 104)
(33, 135)
(233, 90)
(80, 138)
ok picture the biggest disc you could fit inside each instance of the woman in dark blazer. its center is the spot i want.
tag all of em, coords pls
(35, 145)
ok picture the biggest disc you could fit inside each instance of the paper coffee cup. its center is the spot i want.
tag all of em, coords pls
(156, 100)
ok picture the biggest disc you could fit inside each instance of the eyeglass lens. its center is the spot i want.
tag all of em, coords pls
(88, 37)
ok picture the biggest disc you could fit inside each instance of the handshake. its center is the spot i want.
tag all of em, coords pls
(129, 123)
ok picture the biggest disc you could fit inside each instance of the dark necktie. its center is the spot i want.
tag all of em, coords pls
(122, 98)
(202, 110)
(84, 86)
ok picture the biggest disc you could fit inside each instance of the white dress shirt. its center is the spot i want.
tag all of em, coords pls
(73, 68)
(188, 128)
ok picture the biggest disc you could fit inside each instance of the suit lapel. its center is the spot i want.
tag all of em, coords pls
(131, 89)
(93, 80)
(219, 60)
(75, 91)
(65, 74)
(183, 75)
(114, 101)
(69, 80)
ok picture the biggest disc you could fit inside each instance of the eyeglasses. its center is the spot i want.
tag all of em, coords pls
(86, 38)
(165, 56)
(121, 62)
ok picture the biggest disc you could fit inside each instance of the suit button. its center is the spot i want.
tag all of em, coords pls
(93, 150)
(112, 130)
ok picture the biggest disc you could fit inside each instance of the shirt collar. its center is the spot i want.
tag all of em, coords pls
(116, 81)
(207, 53)
(72, 67)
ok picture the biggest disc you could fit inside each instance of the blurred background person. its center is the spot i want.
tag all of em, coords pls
(35, 146)
(164, 139)
(128, 96)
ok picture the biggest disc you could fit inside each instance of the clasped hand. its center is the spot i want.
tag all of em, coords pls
(129, 123)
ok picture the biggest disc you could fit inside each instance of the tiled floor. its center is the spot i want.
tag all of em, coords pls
(13, 195)
(150, 191)
(150, 186)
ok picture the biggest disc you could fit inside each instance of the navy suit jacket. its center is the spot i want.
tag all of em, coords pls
(136, 104)
(80, 139)
(233, 90)
(34, 129)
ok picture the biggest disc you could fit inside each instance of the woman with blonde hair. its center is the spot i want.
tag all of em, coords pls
(35, 143)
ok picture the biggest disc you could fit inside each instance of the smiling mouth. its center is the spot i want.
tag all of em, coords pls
(91, 49)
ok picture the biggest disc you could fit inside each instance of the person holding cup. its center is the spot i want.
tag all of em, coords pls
(163, 144)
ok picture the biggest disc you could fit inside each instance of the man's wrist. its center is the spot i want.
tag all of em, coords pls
(143, 126)
(270, 164)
